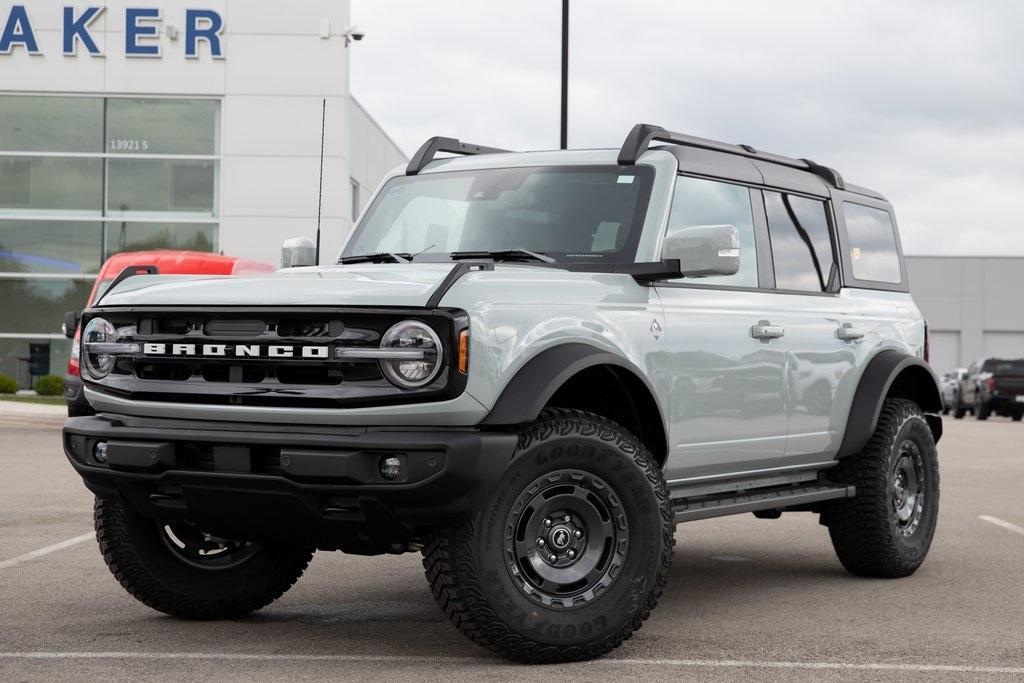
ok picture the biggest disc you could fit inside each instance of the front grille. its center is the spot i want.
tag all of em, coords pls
(227, 376)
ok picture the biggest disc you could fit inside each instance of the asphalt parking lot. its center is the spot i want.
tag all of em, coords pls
(748, 598)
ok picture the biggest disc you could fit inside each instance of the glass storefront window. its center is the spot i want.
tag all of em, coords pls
(40, 303)
(50, 246)
(135, 236)
(48, 184)
(83, 178)
(164, 185)
(51, 124)
(162, 126)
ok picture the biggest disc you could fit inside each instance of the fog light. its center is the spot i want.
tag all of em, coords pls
(390, 467)
(100, 451)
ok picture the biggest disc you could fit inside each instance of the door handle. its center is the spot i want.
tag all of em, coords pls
(765, 331)
(848, 332)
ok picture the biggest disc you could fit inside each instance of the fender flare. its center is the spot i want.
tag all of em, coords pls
(878, 378)
(536, 382)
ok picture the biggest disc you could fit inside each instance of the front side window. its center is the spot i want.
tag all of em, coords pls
(590, 214)
(872, 240)
(801, 242)
(697, 203)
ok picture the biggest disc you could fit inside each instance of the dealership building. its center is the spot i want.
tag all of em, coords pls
(974, 306)
(166, 124)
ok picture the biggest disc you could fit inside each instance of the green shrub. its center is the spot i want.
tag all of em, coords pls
(50, 385)
(7, 384)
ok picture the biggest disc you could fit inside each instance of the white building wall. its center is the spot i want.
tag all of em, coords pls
(276, 71)
(978, 301)
(373, 154)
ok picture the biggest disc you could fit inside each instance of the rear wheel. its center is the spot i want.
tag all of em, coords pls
(885, 530)
(1017, 415)
(570, 553)
(182, 571)
(981, 409)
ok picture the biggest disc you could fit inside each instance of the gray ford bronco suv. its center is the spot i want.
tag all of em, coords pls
(530, 367)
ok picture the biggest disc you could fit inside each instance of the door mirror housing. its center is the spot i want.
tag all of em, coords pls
(704, 250)
(297, 252)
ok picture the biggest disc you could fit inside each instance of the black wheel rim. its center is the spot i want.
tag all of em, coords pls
(907, 488)
(566, 538)
(204, 551)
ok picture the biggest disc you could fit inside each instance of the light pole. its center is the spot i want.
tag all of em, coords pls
(565, 75)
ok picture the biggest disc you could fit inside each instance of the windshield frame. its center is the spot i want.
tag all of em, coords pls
(647, 174)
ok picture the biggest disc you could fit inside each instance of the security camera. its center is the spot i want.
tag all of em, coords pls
(354, 33)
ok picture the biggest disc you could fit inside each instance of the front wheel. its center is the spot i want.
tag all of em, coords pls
(179, 570)
(569, 554)
(886, 529)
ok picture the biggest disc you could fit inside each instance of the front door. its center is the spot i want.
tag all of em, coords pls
(727, 371)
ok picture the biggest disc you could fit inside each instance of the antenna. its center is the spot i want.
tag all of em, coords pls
(320, 192)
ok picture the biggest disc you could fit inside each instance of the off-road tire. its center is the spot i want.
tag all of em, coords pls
(152, 574)
(982, 410)
(865, 529)
(473, 585)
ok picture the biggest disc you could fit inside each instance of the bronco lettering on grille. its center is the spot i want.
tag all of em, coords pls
(236, 350)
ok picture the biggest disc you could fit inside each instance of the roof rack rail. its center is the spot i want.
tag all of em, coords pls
(643, 134)
(425, 154)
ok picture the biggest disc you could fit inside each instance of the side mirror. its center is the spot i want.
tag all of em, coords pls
(70, 324)
(298, 251)
(704, 250)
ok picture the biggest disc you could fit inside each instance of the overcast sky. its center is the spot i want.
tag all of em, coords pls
(922, 101)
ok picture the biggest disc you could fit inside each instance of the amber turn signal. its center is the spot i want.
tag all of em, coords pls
(464, 351)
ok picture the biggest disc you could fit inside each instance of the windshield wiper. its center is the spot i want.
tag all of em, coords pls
(380, 257)
(504, 255)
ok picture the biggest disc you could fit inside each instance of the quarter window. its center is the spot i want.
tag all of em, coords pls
(872, 238)
(698, 202)
(801, 243)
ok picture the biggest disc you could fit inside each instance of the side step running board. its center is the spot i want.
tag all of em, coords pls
(768, 499)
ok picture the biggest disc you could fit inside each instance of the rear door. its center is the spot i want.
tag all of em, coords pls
(823, 326)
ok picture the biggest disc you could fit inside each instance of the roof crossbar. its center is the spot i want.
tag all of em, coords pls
(425, 154)
(643, 134)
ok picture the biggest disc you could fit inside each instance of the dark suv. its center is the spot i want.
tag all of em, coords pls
(992, 385)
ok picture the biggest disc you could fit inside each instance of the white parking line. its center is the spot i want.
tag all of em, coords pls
(1009, 526)
(412, 659)
(21, 559)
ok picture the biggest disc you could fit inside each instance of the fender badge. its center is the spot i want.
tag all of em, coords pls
(655, 329)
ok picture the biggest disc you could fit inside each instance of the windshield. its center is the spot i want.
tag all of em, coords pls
(589, 214)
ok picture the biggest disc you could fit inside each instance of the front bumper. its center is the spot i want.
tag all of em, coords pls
(298, 484)
(74, 396)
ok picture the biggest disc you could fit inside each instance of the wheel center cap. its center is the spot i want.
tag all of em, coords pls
(560, 537)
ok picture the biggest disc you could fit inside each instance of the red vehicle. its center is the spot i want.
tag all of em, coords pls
(169, 263)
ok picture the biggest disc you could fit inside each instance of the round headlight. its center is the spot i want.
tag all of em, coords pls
(99, 365)
(419, 369)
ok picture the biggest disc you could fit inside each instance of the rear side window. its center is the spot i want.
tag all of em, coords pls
(801, 242)
(872, 244)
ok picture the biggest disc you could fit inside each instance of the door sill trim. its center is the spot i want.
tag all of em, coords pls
(753, 473)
